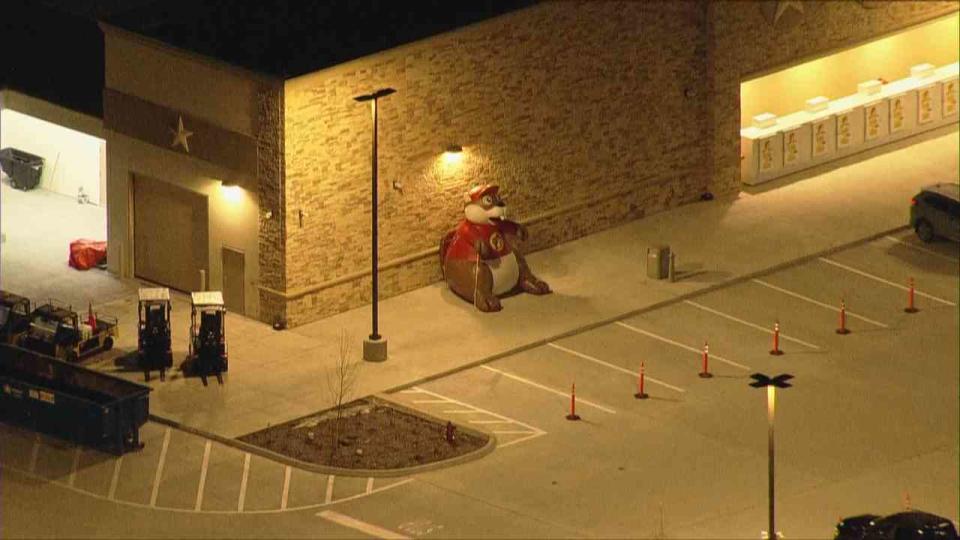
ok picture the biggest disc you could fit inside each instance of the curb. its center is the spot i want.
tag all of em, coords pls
(677, 299)
(381, 399)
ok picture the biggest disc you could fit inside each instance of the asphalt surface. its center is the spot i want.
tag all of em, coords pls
(870, 422)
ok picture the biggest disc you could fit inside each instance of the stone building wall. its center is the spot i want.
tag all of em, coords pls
(587, 115)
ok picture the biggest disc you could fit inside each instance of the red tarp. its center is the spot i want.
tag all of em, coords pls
(85, 254)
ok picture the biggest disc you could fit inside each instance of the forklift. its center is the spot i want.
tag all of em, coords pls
(56, 330)
(14, 317)
(208, 348)
(153, 332)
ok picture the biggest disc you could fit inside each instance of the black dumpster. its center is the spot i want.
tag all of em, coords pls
(71, 402)
(23, 169)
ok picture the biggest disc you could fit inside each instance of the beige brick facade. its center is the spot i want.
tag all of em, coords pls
(588, 114)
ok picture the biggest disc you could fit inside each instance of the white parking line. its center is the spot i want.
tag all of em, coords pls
(410, 391)
(513, 432)
(203, 475)
(431, 401)
(750, 324)
(923, 249)
(243, 482)
(536, 432)
(548, 389)
(370, 485)
(329, 496)
(612, 366)
(881, 280)
(362, 526)
(681, 345)
(286, 488)
(35, 452)
(817, 303)
(73, 467)
(160, 462)
(115, 479)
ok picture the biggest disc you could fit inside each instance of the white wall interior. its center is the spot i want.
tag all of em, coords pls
(72, 160)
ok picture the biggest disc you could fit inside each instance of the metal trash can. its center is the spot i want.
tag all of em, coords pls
(658, 262)
(23, 169)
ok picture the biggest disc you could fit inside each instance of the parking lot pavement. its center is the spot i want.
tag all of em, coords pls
(181, 472)
(871, 413)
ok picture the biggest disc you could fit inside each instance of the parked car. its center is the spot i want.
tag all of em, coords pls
(935, 211)
(912, 525)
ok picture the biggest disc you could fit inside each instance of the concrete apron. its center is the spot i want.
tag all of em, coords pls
(278, 376)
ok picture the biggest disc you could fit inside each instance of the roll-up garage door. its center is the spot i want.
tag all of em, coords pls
(170, 234)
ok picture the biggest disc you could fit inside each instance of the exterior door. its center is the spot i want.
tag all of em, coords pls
(170, 234)
(233, 286)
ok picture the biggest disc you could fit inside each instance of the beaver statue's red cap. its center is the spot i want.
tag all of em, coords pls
(477, 192)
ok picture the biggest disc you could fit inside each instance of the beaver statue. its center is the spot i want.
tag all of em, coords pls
(479, 259)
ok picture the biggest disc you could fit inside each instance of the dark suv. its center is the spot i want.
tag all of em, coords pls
(935, 211)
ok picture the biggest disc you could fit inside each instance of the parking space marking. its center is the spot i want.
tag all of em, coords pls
(881, 280)
(750, 324)
(160, 463)
(923, 249)
(115, 479)
(35, 452)
(286, 488)
(369, 485)
(548, 389)
(612, 366)
(411, 391)
(203, 475)
(362, 526)
(818, 303)
(533, 431)
(145, 506)
(681, 345)
(431, 401)
(329, 496)
(73, 466)
(243, 481)
(506, 431)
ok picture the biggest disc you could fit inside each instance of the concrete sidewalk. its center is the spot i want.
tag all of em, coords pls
(278, 376)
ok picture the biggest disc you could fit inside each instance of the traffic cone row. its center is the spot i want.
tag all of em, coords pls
(776, 351)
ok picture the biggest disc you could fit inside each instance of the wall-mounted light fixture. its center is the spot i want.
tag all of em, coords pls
(231, 191)
(452, 154)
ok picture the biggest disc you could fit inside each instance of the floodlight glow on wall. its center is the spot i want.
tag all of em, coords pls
(453, 154)
(231, 192)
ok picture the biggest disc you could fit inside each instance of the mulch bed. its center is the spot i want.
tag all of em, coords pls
(372, 435)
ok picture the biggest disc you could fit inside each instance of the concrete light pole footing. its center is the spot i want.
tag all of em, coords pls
(375, 350)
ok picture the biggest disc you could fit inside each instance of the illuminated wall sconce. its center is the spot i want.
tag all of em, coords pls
(452, 154)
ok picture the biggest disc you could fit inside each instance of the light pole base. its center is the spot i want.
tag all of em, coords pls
(375, 350)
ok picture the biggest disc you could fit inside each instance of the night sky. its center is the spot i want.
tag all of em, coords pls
(53, 49)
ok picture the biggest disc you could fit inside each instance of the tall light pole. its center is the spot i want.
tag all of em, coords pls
(780, 381)
(374, 347)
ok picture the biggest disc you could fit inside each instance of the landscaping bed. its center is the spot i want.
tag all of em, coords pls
(372, 435)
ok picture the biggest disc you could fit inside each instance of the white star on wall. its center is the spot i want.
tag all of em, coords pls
(784, 5)
(180, 135)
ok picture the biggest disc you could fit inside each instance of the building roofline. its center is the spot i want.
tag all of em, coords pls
(411, 44)
(211, 61)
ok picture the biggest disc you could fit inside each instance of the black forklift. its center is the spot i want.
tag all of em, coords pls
(56, 330)
(208, 346)
(153, 332)
(14, 317)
